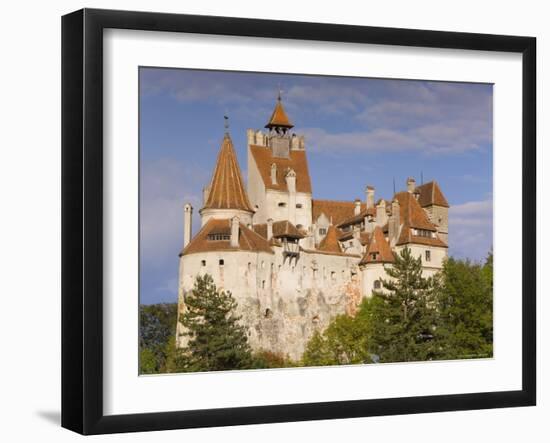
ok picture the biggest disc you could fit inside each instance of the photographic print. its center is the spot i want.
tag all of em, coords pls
(299, 220)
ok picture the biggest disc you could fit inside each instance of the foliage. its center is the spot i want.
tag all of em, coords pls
(343, 342)
(156, 327)
(216, 341)
(403, 319)
(447, 316)
(270, 360)
(466, 310)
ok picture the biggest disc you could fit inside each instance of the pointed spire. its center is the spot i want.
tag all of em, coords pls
(330, 242)
(279, 119)
(379, 250)
(226, 187)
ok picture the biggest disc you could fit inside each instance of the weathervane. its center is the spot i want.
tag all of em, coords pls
(226, 122)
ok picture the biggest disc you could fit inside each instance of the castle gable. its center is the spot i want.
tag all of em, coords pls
(297, 161)
(430, 194)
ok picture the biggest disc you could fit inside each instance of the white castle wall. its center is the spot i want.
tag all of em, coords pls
(282, 302)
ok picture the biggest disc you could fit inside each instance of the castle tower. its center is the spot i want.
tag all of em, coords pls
(226, 196)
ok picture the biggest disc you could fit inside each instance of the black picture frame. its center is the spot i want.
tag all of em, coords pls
(82, 219)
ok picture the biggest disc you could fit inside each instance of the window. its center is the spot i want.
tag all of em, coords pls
(203, 263)
(218, 237)
(423, 233)
(333, 276)
(428, 255)
(249, 266)
(298, 206)
(377, 284)
(282, 205)
(268, 313)
(263, 284)
(322, 231)
(374, 255)
(221, 262)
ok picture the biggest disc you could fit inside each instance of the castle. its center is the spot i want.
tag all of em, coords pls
(293, 262)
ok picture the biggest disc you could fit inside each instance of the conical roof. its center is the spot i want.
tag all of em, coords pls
(226, 187)
(330, 243)
(379, 250)
(279, 117)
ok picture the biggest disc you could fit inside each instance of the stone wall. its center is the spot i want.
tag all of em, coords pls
(282, 301)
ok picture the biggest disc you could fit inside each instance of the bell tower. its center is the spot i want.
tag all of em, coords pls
(278, 138)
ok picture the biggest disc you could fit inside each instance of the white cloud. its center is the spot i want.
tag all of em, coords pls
(441, 138)
(471, 229)
(166, 185)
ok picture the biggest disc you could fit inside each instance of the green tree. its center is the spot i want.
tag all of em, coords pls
(403, 315)
(465, 305)
(343, 342)
(147, 361)
(216, 340)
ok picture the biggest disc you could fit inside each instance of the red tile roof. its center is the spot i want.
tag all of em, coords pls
(337, 211)
(411, 213)
(378, 250)
(430, 194)
(282, 228)
(226, 187)
(248, 239)
(330, 242)
(298, 162)
(279, 117)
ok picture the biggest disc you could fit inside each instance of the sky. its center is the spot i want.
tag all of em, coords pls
(358, 132)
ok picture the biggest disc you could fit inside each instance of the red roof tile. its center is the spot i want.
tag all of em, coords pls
(330, 242)
(248, 239)
(279, 117)
(337, 211)
(226, 187)
(298, 162)
(430, 194)
(378, 250)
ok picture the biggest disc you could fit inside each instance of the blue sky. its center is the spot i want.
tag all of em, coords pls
(358, 131)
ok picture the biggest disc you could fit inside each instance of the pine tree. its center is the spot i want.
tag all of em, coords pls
(216, 340)
(403, 316)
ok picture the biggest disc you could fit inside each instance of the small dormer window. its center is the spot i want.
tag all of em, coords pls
(374, 255)
(322, 231)
(219, 237)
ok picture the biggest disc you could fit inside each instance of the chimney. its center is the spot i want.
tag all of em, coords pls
(250, 136)
(234, 242)
(273, 174)
(395, 222)
(357, 208)
(381, 215)
(269, 229)
(370, 196)
(187, 224)
(291, 180)
(411, 185)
